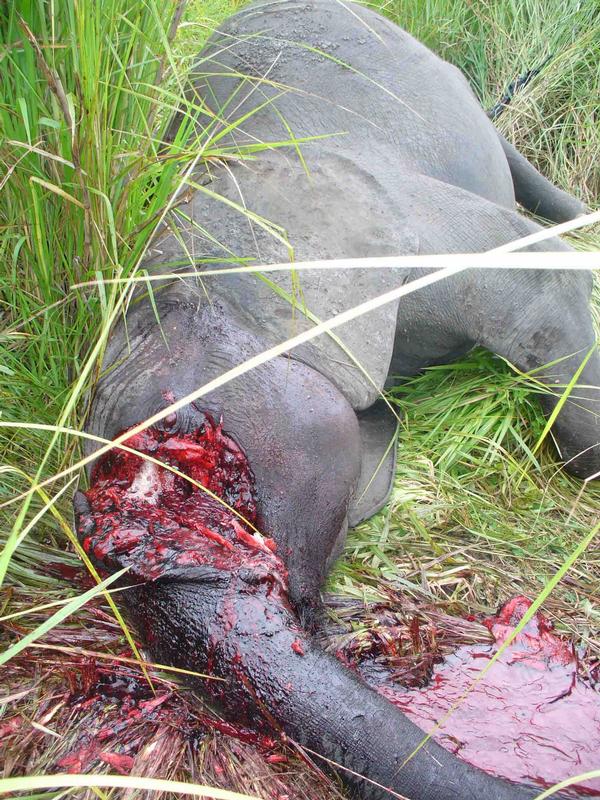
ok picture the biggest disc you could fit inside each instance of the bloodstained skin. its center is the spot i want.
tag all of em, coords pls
(175, 537)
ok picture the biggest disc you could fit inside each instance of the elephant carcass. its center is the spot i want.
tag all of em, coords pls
(391, 154)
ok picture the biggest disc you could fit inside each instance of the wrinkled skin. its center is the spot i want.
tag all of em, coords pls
(414, 166)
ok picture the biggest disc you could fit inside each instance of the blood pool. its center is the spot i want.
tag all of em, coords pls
(531, 717)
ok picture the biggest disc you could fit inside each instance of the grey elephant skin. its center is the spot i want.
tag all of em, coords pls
(390, 154)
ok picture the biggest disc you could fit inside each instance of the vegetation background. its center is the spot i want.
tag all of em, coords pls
(479, 512)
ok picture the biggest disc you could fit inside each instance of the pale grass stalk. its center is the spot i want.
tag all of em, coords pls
(491, 259)
(574, 779)
(81, 651)
(30, 782)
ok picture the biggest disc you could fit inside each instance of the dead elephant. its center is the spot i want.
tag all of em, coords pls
(391, 154)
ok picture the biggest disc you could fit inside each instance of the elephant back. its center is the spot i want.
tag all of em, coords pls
(271, 211)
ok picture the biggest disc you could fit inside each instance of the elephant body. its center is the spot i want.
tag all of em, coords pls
(391, 154)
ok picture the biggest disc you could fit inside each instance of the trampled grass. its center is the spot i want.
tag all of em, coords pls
(476, 514)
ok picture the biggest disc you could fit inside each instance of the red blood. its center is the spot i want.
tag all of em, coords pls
(121, 763)
(147, 518)
(531, 718)
(126, 716)
(252, 541)
(297, 647)
(150, 705)
(240, 732)
(10, 727)
(71, 573)
(158, 524)
(121, 716)
(80, 759)
(216, 537)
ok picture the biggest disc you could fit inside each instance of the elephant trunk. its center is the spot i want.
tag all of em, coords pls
(272, 673)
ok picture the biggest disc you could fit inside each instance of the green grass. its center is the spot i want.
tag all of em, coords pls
(86, 177)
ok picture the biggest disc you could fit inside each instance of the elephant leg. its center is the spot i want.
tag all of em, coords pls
(538, 319)
(536, 193)
(549, 333)
(558, 348)
(378, 431)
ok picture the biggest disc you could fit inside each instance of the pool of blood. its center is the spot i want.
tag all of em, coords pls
(159, 524)
(532, 717)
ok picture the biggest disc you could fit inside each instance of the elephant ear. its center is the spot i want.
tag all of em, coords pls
(378, 434)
